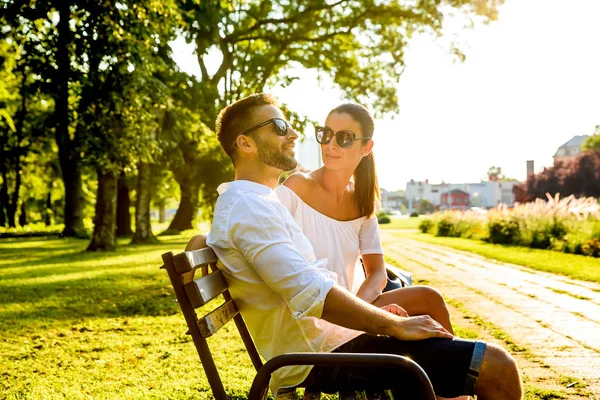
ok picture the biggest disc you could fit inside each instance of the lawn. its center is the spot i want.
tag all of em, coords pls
(80, 325)
(571, 265)
(83, 325)
(401, 222)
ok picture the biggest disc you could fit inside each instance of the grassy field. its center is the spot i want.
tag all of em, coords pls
(571, 265)
(80, 325)
(403, 222)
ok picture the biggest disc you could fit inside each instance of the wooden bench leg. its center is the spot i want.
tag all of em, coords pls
(311, 395)
(286, 394)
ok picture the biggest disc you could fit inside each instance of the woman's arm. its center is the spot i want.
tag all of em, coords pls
(372, 287)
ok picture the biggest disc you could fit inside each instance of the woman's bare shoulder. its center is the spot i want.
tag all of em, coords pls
(300, 183)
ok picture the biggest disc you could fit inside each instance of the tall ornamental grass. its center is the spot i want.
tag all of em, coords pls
(570, 225)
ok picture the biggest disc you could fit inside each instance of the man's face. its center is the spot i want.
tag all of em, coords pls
(273, 149)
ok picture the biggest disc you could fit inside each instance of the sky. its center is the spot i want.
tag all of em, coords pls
(530, 82)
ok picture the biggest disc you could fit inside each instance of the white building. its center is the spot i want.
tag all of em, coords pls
(482, 194)
(308, 152)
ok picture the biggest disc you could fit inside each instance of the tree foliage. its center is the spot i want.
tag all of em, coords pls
(358, 44)
(580, 177)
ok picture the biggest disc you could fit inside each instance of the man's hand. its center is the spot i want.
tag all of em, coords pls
(395, 309)
(419, 328)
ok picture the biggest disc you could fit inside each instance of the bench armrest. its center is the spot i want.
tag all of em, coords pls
(406, 365)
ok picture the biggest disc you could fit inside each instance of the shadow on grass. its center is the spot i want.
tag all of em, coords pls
(127, 282)
(141, 292)
(42, 255)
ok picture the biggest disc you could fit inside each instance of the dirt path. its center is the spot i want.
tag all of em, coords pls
(551, 323)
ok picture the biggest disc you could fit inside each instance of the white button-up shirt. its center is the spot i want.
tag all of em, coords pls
(273, 276)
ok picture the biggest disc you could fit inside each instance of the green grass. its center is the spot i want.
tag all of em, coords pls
(560, 291)
(80, 325)
(403, 222)
(83, 325)
(571, 265)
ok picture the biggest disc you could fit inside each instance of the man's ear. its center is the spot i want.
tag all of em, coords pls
(245, 143)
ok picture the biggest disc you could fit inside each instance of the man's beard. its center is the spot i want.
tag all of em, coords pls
(272, 155)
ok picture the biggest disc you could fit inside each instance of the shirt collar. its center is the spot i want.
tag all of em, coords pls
(248, 186)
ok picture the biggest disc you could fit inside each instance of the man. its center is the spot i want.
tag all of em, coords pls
(288, 299)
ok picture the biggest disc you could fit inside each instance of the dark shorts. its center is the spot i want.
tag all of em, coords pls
(452, 366)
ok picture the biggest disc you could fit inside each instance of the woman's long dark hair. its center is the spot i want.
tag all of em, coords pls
(366, 188)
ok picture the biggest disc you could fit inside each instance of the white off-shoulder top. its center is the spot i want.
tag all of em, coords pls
(340, 242)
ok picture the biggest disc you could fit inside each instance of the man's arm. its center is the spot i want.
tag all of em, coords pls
(196, 243)
(259, 233)
(343, 308)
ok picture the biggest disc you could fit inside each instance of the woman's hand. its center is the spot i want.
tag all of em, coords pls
(395, 309)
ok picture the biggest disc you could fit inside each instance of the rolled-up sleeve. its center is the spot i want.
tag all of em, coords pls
(259, 233)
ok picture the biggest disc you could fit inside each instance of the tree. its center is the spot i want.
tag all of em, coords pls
(592, 143)
(48, 46)
(360, 45)
(495, 174)
(123, 205)
(582, 175)
(121, 96)
(425, 206)
(579, 177)
(23, 116)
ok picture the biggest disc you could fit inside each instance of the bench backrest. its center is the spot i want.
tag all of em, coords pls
(197, 281)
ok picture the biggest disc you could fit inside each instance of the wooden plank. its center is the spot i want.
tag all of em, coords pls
(204, 289)
(214, 320)
(189, 260)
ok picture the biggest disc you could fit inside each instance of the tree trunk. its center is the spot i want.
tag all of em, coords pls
(105, 220)
(143, 227)
(10, 204)
(48, 211)
(162, 214)
(4, 201)
(2, 205)
(23, 215)
(74, 197)
(188, 208)
(70, 160)
(123, 204)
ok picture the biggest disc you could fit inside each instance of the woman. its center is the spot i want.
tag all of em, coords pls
(335, 206)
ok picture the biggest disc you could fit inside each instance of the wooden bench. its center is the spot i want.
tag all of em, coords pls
(197, 281)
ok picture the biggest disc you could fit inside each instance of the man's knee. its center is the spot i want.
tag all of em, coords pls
(499, 376)
(195, 243)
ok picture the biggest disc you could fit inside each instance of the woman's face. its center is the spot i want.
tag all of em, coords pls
(335, 157)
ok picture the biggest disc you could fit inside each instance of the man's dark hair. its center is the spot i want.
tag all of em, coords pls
(236, 118)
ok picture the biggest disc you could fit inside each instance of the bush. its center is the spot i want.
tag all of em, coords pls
(444, 227)
(426, 225)
(31, 230)
(414, 214)
(383, 218)
(504, 230)
(591, 248)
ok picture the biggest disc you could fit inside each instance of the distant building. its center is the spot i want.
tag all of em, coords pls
(393, 200)
(460, 195)
(308, 152)
(456, 199)
(570, 150)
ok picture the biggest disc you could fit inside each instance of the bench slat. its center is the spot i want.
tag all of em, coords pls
(212, 322)
(189, 260)
(204, 289)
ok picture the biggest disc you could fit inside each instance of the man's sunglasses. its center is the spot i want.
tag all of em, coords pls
(281, 126)
(344, 139)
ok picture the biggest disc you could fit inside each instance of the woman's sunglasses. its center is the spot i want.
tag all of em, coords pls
(344, 139)
(281, 126)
